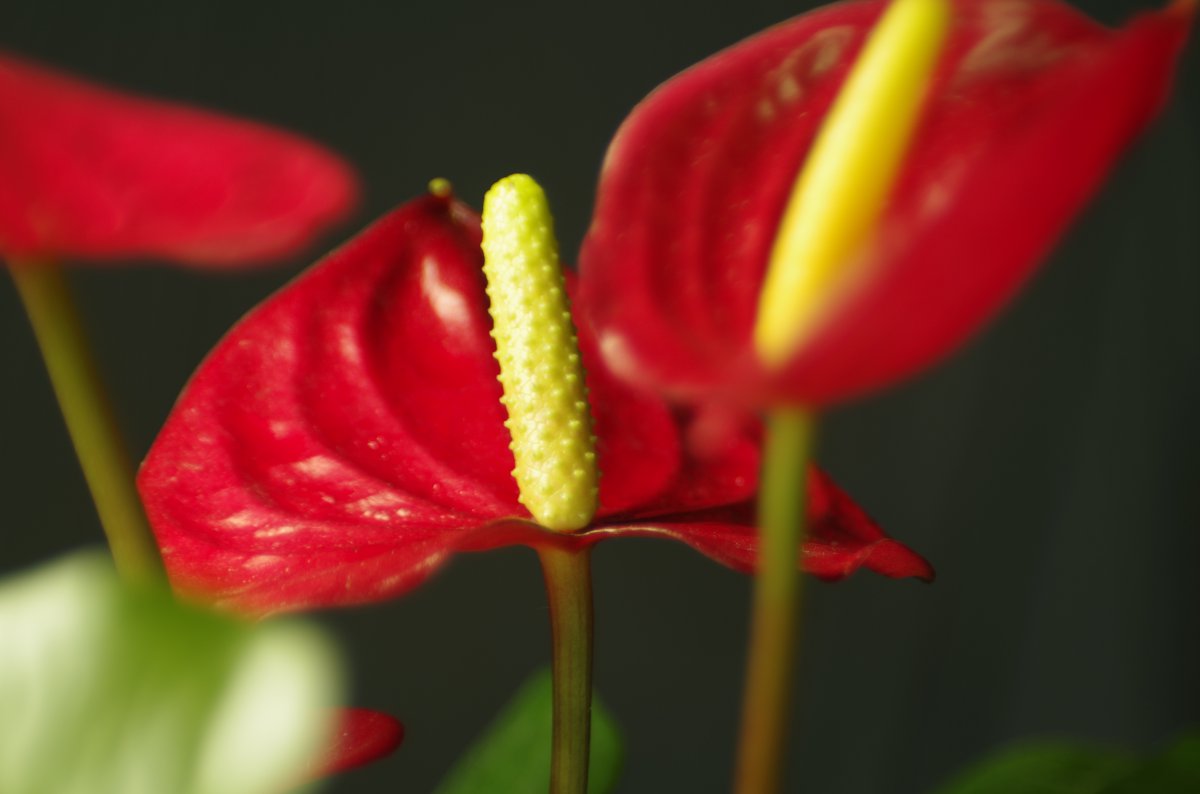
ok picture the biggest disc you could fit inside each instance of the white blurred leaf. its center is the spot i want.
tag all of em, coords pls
(106, 691)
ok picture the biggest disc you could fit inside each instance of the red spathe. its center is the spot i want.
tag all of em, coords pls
(88, 173)
(360, 737)
(1029, 106)
(347, 437)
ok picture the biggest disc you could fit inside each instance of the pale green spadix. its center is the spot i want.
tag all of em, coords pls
(544, 393)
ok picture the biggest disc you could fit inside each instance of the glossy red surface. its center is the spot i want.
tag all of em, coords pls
(88, 173)
(362, 736)
(1029, 106)
(347, 437)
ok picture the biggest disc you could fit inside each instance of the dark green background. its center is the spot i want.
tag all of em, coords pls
(1049, 471)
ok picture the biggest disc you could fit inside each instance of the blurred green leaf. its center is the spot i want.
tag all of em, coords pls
(107, 690)
(513, 754)
(1176, 771)
(1049, 768)
(1067, 768)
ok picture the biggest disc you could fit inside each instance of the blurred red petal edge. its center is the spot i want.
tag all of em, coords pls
(886, 557)
(843, 537)
(830, 552)
(362, 736)
(95, 173)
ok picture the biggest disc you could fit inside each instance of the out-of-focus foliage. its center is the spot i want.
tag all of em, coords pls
(1176, 771)
(513, 754)
(103, 689)
(1074, 768)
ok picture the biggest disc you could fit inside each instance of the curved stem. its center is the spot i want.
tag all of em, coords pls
(89, 418)
(568, 575)
(774, 625)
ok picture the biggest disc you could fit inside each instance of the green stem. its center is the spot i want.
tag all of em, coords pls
(774, 625)
(568, 575)
(89, 418)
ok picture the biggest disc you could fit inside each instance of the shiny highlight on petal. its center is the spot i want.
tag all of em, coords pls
(848, 174)
(544, 393)
(346, 439)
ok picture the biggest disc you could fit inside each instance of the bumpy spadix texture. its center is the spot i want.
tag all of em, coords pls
(88, 173)
(1029, 105)
(347, 437)
(540, 369)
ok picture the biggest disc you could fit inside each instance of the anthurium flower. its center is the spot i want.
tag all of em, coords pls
(348, 436)
(1028, 105)
(90, 173)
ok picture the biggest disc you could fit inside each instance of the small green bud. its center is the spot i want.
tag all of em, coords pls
(544, 393)
(441, 187)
